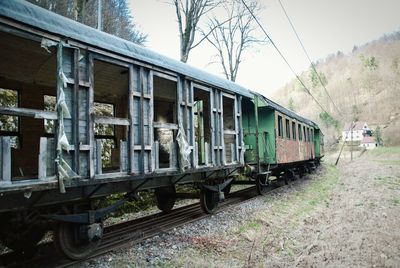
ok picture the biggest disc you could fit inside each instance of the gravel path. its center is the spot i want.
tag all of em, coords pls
(319, 221)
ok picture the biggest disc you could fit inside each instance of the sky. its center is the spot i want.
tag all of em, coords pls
(324, 26)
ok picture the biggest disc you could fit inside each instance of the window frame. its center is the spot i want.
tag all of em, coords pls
(299, 130)
(280, 126)
(294, 130)
(287, 128)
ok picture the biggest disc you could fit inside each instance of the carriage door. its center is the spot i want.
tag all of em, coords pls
(165, 125)
(231, 130)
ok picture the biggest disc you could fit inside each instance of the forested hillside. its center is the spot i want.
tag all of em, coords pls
(365, 85)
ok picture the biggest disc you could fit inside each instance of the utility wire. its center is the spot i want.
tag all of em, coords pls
(308, 57)
(283, 57)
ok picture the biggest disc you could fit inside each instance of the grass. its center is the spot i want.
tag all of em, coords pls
(315, 193)
(267, 230)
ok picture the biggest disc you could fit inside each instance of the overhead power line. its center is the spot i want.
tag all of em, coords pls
(283, 57)
(308, 57)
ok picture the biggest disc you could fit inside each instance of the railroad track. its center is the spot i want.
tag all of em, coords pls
(133, 231)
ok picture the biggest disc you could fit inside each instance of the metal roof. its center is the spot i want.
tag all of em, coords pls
(38, 17)
(283, 110)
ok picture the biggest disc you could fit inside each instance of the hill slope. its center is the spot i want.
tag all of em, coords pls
(365, 85)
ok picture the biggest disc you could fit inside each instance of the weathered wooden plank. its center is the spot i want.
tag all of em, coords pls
(6, 157)
(39, 114)
(99, 164)
(42, 169)
(132, 131)
(111, 120)
(90, 109)
(196, 155)
(229, 132)
(142, 85)
(165, 125)
(75, 109)
(123, 156)
(213, 127)
(156, 155)
(165, 76)
(206, 152)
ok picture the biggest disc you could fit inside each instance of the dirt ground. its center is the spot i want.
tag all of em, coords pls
(345, 216)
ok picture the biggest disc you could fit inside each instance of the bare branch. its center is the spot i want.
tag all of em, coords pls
(234, 36)
(189, 13)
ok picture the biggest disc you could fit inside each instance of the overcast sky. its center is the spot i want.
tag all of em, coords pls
(325, 26)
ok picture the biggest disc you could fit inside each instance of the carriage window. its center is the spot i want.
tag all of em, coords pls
(287, 127)
(308, 135)
(9, 124)
(165, 123)
(229, 129)
(105, 132)
(299, 131)
(280, 126)
(294, 130)
(202, 127)
(304, 133)
(49, 105)
(111, 123)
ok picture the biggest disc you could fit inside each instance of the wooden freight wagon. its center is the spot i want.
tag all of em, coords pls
(85, 114)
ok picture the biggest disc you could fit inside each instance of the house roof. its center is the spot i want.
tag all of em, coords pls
(38, 17)
(356, 126)
(368, 139)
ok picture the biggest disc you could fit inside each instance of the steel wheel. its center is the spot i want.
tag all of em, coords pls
(67, 239)
(262, 183)
(208, 201)
(165, 197)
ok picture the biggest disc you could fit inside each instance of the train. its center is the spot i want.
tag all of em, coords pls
(84, 115)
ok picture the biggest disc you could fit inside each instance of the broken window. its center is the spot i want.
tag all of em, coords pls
(105, 133)
(111, 124)
(30, 69)
(229, 128)
(165, 122)
(202, 126)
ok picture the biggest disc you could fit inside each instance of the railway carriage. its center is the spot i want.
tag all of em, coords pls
(85, 114)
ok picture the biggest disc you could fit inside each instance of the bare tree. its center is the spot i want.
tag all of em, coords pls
(231, 39)
(116, 16)
(188, 13)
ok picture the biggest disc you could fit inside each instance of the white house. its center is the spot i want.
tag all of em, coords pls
(359, 131)
(368, 142)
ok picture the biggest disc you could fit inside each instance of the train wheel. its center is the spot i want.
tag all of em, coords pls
(69, 239)
(208, 201)
(262, 183)
(23, 239)
(165, 197)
